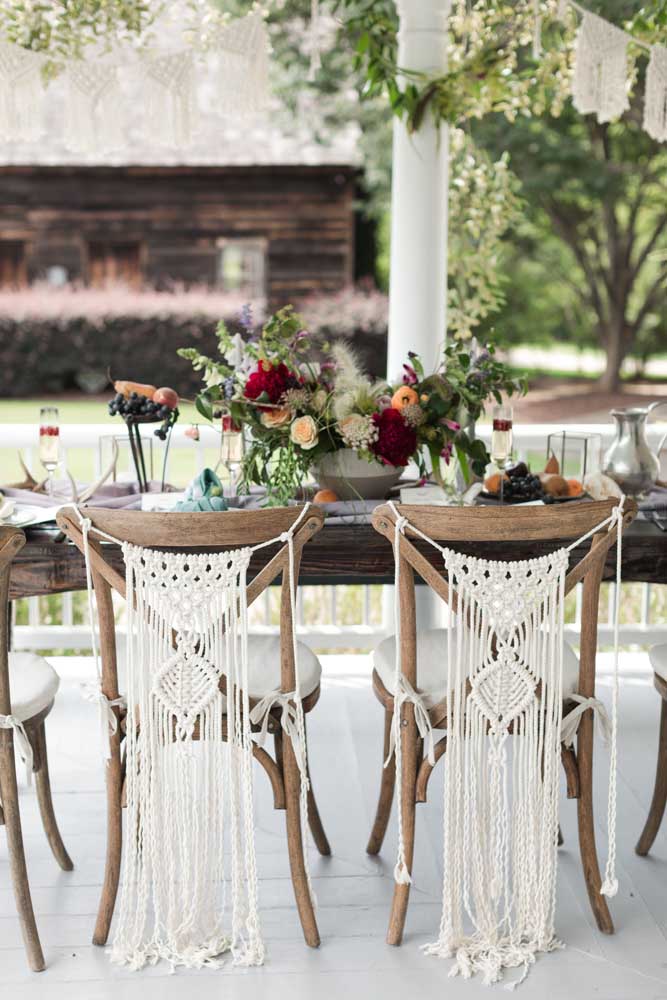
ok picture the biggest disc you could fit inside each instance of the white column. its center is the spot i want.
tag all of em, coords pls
(418, 271)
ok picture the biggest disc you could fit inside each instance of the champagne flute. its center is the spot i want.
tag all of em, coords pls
(501, 440)
(231, 450)
(49, 442)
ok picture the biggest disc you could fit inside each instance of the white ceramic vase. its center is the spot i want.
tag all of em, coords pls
(351, 477)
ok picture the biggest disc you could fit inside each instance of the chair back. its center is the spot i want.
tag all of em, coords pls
(464, 528)
(195, 532)
(12, 541)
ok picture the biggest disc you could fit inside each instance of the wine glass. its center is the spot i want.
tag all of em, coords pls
(49, 442)
(231, 450)
(501, 439)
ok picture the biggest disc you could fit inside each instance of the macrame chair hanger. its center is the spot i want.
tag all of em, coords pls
(498, 944)
(200, 636)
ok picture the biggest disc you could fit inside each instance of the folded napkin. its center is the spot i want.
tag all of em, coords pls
(205, 493)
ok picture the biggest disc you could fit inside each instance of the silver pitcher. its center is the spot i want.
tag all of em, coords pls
(629, 461)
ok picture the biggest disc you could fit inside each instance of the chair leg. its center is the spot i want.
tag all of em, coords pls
(19, 872)
(408, 778)
(295, 835)
(657, 810)
(587, 846)
(387, 782)
(315, 820)
(114, 781)
(43, 784)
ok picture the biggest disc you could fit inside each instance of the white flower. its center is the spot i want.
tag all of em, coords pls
(213, 377)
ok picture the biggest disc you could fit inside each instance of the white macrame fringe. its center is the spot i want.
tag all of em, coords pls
(504, 729)
(21, 94)
(600, 82)
(242, 80)
(169, 98)
(93, 108)
(190, 802)
(655, 98)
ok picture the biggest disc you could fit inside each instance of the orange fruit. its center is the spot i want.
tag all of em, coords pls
(325, 496)
(575, 489)
(405, 396)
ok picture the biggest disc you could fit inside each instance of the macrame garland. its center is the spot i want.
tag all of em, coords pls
(169, 98)
(93, 116)
(562, 10)
(189, 802)
(21, 92)
(655, 98)
(600, 83)
(242, 82)
(504, 726)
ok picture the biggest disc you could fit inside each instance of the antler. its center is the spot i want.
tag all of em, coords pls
(90, 490)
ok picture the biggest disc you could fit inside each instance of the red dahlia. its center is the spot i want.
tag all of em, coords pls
(274, 380)
(396, 441)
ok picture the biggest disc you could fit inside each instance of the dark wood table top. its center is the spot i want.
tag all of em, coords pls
(340, 553)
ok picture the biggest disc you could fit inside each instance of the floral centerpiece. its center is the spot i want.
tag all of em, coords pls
(302, 404)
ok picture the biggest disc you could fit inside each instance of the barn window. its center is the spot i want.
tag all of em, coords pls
(111, 262)
(12, 264)
(242, 267)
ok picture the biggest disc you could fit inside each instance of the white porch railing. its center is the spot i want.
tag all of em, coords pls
(348, 617)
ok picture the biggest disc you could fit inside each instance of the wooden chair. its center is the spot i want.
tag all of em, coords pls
(464, 528)
(658, 658)
(271, 662)
(28, 685)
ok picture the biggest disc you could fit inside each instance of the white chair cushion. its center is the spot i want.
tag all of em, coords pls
(658, 657)
(264, 666)
(432, 665)
(33, 684)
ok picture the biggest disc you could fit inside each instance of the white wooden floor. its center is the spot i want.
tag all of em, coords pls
(353, 890)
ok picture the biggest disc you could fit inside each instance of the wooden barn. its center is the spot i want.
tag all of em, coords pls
(276, 231)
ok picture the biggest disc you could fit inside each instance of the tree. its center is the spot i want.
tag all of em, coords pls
(601, 190)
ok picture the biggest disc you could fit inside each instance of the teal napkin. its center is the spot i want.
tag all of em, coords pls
(204, 493)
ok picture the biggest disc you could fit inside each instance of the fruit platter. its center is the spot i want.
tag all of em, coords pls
(517, 484)
(138, 403)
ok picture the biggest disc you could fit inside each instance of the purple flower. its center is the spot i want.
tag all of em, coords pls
(245, 318)
(410, 376)
(446, 452)
(452, 425)
(228, 387)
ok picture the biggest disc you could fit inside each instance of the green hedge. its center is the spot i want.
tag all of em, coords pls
(39, 355)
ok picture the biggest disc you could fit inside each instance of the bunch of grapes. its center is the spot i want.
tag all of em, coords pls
(522, 485)
(137, 408)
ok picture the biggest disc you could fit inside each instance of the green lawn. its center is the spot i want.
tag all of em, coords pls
(84, 410)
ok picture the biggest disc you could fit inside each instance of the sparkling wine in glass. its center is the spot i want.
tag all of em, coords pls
(501, 439)
(49, 441)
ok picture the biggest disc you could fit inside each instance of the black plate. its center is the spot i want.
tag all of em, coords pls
(494, 498)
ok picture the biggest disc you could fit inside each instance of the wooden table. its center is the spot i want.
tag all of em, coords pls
(356, 553)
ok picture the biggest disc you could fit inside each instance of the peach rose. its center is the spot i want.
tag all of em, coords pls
(276, 417)
(304, 433)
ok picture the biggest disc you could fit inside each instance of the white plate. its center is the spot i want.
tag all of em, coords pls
(24, 516)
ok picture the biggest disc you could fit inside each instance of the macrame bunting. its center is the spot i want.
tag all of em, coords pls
(600, 83)
(21, 92)
(242, 80)
(504, 728)
(93, 107)
(655, 99)
(189, 889)
(169, 98)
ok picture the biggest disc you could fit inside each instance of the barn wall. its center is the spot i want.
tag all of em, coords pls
(305, 215)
